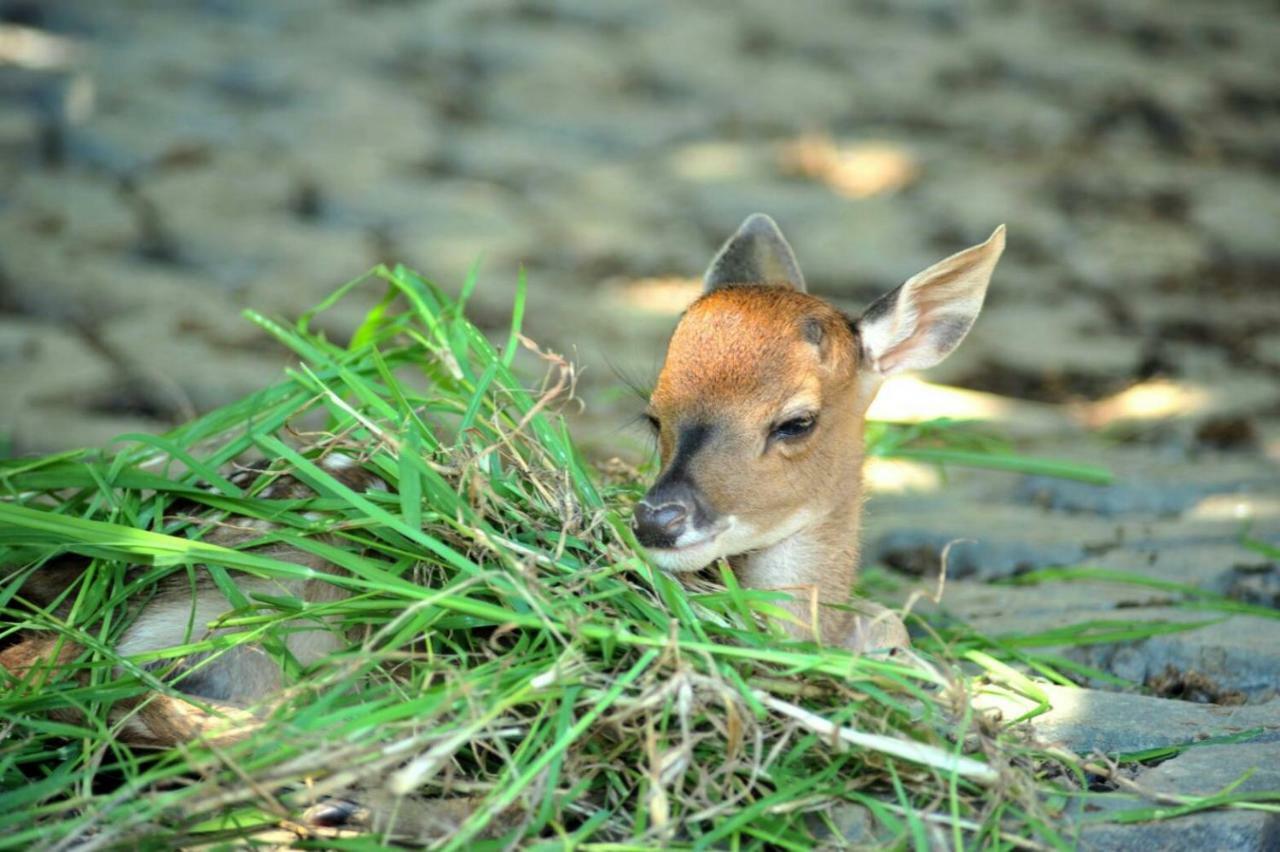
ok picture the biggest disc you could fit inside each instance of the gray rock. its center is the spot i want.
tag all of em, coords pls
(1012, 609)
(1241, 654)
(1088, 720)
(1255, 581)
(993, 539)
(1198, 771)
(1121, 498)
(920, 553)
(1239, 831)
(1224, 654)
(853, 824)
(1206, 770)
(252, 83)
(1267, 347)
(1225, 568)
(1240, 214)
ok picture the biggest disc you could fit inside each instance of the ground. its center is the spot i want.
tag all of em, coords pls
(165, 166)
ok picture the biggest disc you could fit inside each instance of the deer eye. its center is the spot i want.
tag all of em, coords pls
(794, 427)
(654, 423)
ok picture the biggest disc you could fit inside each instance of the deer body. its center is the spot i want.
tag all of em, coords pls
(760, 408)
(179, 609)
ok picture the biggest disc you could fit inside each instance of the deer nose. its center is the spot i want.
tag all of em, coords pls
(669, 516)
(660, 526)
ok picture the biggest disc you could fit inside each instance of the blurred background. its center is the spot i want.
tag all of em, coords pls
(165, 165)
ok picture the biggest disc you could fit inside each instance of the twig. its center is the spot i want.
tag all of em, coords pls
(928, 755)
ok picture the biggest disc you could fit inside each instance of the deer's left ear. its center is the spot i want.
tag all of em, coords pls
(756, 254)
(924, 320)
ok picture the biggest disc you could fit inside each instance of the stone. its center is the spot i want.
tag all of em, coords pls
(76, 211)
(989, 541)
(1267, 347)
(1121, 498)
(1089, 720)
(860, 251)
(853, 824)
(1240, 214)
(1235, 830)
(1155, 482)
(1255, 580)
(1010, 348)
(918, 552)
(1239, 654)
(1145, 253)
(1199, 771)
(1224, 568)
(1002, 608)
(1208, 770)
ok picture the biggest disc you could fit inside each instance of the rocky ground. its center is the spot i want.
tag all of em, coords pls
(1168, 519)
(163, 166)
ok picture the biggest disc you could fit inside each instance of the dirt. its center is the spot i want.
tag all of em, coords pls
(1252, 583)
(1191, 685)
(168, 166)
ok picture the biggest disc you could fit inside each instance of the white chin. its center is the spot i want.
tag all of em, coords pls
(684, 559)
(695, 551)
(694, 555)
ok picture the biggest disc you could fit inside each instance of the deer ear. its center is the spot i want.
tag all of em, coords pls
(923, 320)
(756, 254)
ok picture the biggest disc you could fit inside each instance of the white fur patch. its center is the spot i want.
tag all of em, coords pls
(695, 549)
(338, 461)
(735, 538)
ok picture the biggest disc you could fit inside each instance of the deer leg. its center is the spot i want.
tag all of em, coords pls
(875, 628)
(153, 719)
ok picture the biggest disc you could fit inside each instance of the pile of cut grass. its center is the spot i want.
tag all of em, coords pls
(513, 653)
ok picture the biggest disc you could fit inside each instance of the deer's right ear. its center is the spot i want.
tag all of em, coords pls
(756, 254)
(924, 320)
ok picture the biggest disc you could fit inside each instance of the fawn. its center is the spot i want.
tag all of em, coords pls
(759, 411)
(759, 408)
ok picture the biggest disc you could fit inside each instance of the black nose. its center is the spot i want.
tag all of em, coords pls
(669, 517)
(660, 526)
(666, 512)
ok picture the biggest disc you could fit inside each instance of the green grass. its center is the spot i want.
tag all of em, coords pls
(510, 648)
(945, 441)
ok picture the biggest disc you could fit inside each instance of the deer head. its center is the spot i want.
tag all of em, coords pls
(759, 412)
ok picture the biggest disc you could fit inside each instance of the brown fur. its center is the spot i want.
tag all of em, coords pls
(739, 358)
(753, 352)
(227, 685)
(149, 720)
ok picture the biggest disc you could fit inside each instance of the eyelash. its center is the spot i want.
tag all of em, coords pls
(795, 427)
